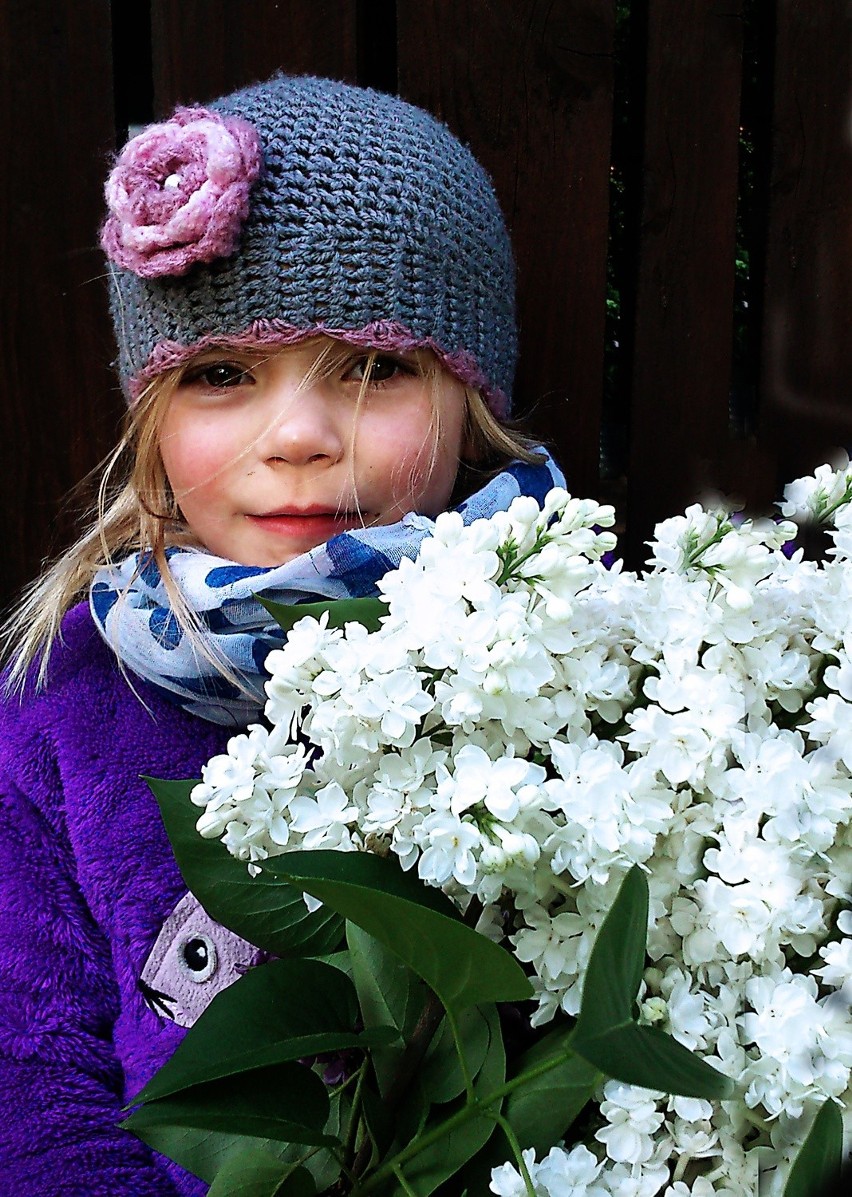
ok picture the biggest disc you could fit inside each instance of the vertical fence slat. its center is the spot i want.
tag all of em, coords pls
(203, 50)
(807, 351)
(59, 406)
(529, 88)
(682, 364)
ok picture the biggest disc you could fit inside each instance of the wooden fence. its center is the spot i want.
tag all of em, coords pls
(676, 175)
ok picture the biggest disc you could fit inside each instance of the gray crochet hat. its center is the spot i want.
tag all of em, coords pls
(300, 206)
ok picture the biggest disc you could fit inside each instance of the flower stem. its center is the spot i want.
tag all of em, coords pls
(824, 514)
(403, 1183)
(430, 1019)
(476, 1108)
(693, 557)
(511, 566)
(517, 1153)
(465, 1071)
(354, 1117)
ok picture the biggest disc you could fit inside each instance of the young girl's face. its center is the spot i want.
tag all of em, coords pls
(265, 467)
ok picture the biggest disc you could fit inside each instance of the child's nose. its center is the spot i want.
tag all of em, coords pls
(305, 424)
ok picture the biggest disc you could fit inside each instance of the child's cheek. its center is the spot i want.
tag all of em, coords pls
(195, 454)
(410, 466)
(424, 477)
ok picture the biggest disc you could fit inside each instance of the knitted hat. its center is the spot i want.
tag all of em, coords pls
(302, 206)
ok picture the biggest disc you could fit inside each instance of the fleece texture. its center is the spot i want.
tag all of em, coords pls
(87, 880)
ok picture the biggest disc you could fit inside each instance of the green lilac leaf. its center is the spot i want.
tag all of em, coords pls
(360, 870)
(380, 1120)
(299, 1183)
(440, 1075)
(263, 909)
(389, 994)
(614, 971)
(283, 1010)
(541, 1111)
(415, 921)
(366, 611)
(251, 1172)
(439, 1079)
(438, 1162)
(606, 1034)
(816, 1167)
(286, 1102)
(649, 1057)
(203, 1152)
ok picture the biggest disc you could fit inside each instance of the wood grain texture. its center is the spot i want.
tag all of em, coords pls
(529, 89)
(683, 333)
(60, 403)
(807, 351)
(202, 50)
(529, 86)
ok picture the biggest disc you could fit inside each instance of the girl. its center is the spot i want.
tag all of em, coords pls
(313, 295)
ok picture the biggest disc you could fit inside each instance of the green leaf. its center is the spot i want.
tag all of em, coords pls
(542, 1110)
(286, 1102)
(606, 1034)
(443, 1158)
(322, 1163)
(340, 960)
(389, 994)
(440, 1076)
(366, 611)
(299, 1183)
(415, 921)
(440, 1079)
(262, 909)
(252, 1172)
(615, 966)
(283, 1010)
(816, 1167)
(326, 868)
(380, 1120)
(649, 1057)
(204, 1152)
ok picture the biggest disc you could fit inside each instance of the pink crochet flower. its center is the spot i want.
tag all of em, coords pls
(179, 193)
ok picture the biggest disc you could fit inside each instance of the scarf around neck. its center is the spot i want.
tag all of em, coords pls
(132, 610)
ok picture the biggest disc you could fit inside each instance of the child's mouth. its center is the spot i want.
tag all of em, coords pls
(310, 524)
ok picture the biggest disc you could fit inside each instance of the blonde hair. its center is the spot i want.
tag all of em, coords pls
(136, 511)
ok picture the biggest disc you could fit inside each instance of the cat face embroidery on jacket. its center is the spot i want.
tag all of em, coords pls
(191, 961)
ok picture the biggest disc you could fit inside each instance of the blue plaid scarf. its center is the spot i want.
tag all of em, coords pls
(131, 608)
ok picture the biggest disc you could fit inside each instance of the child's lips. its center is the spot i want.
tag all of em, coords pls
(309, 524)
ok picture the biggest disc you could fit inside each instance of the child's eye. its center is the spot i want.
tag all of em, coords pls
(383, 368)
(218, 374)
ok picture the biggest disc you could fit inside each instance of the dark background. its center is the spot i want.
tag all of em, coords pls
(676, 174)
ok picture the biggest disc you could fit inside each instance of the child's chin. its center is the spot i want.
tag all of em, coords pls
(271, 559)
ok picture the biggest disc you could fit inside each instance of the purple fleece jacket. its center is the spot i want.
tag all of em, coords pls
(87, 879)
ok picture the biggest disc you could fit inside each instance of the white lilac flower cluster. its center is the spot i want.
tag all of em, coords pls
(528, 724)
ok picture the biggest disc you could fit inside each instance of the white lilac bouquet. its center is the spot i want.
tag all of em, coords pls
(636, 791)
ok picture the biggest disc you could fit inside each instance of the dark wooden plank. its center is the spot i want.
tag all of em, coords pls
(60, 404)
(806, 394)
(529, 89)
(202, 49)
(682, 364)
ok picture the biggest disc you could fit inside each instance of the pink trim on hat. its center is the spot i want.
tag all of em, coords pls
(386, 335)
